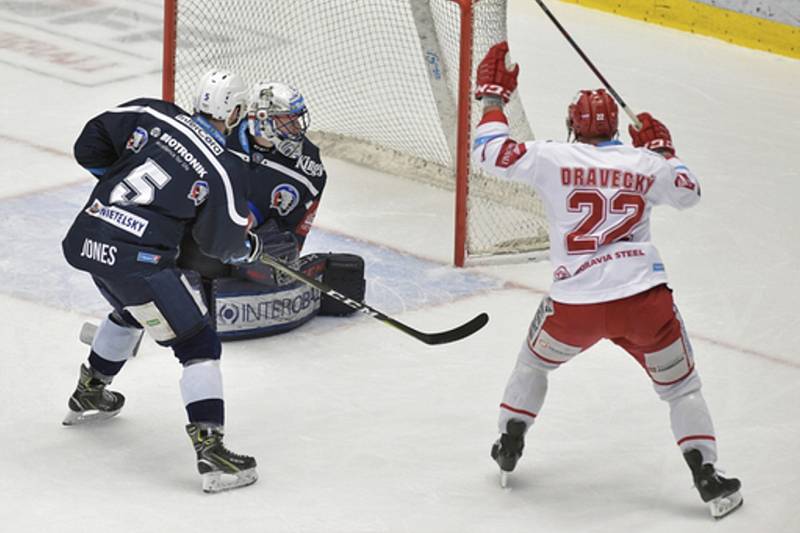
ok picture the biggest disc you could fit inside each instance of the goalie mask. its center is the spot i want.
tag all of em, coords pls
(592, 114)
(278, 114)
(219, 93)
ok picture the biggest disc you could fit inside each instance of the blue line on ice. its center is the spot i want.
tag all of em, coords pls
(32, 226)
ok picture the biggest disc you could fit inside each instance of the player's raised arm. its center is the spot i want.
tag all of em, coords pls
(676, 184)
(493, 149)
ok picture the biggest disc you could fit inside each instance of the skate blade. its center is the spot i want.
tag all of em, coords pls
(75, 418)
(214, 482)
(725, 505)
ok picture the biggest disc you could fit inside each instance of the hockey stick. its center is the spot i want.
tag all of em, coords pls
(636, 123)
(443, 337)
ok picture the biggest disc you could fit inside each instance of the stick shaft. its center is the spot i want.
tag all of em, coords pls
(588, 62)
(428, 338)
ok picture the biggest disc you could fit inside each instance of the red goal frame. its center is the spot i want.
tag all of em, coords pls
(462, 156)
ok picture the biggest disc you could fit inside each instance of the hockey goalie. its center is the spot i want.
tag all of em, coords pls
(285, 179)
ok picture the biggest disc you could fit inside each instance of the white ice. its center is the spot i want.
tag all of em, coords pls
(359, 428)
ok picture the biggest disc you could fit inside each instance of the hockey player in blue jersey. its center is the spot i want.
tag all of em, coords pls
(286, 178)
(163, 172)
(289, 177)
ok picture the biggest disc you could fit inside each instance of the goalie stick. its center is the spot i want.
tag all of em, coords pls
(636, 122)
(443, 337)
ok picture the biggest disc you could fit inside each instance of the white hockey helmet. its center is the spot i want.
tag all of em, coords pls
(277, 113)
(218, 94)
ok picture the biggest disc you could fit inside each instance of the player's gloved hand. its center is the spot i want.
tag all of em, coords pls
(653, 135)
(253, 249)
(280, 245)
(256, 246)
(494, 79)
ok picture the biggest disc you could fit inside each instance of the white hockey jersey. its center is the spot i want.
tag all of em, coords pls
(598, 201)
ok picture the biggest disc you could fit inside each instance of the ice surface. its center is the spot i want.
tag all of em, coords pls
(357, 427)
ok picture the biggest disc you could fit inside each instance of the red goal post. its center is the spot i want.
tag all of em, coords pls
(389, 85)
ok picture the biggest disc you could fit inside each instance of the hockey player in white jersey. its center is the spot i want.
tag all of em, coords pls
(608, 279)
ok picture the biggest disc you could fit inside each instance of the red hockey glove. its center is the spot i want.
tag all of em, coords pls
(654, 135)
(493, 77)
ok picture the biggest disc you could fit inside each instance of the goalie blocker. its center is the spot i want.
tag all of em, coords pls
(256, 301)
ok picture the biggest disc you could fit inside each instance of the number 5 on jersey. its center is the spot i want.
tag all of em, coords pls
(591, 233)
(139, 187)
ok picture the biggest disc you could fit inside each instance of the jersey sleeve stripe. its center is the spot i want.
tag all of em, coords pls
(480, 141)
(253, 209)
(226, 182)
(97, 171)
(292, 174)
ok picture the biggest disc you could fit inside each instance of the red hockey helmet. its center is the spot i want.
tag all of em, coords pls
(593, 114)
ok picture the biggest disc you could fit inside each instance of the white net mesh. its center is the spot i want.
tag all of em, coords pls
(380, 78)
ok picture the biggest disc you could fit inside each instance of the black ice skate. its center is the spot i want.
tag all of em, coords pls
(507, 450)
(91, 401)
(220, 468)
(721, 494)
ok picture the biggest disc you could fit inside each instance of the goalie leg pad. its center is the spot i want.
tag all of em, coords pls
(345, 274)
(243, 309)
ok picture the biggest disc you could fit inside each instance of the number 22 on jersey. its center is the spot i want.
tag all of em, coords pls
(591, 232)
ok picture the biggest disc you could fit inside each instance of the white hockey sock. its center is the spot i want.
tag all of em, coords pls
(525, 391)
(201, 381)
(689, 416)
(115, 343)
(692, 426)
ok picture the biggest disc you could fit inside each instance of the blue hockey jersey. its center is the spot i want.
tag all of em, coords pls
(281, 188)
(160, 172)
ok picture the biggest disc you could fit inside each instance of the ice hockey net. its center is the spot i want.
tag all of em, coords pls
(388, 83)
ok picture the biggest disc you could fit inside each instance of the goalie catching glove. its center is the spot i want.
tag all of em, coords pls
(653, 135)
(494, 79)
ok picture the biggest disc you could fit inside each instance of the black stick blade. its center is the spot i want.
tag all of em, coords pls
(444, 337)
(465, 330)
